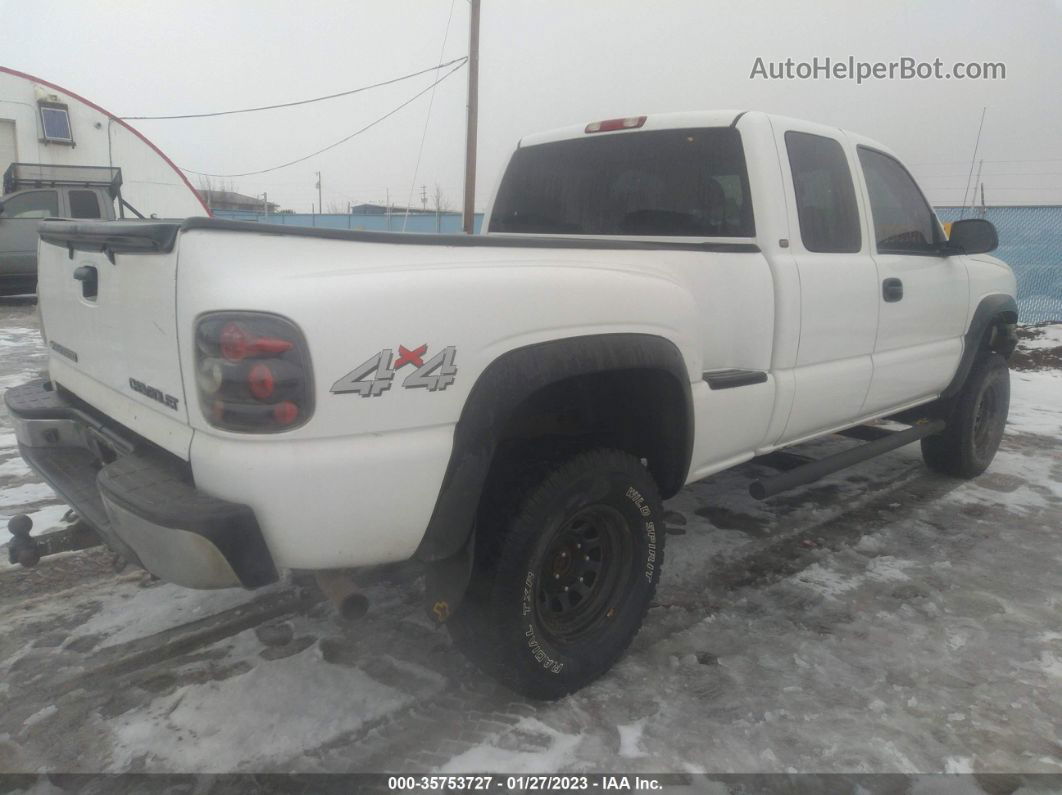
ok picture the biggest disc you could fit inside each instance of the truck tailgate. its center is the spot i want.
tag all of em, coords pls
(107, 295)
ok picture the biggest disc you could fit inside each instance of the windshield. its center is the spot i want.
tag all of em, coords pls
(654, 183)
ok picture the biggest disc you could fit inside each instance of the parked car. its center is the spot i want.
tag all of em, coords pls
(33, 192)
(656, 299)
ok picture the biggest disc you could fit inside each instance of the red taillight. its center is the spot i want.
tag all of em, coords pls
(234, 342)
(611, 125)
(253, 372)
(237, 344)
(285, 413)
(261, 382)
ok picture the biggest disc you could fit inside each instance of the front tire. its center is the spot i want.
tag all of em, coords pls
(975, 422)
(564, 572)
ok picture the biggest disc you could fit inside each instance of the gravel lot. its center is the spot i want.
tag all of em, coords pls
(881, 620)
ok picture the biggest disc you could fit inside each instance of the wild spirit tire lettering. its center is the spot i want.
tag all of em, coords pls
(650, 530)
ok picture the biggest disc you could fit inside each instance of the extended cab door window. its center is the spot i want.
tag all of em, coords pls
(32, 204)
(18, 230)
(656, 183)
(825, 195)
(838, 281)
(84, 204)
(903, 220)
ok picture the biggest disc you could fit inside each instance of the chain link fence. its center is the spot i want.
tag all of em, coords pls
(1030, 241)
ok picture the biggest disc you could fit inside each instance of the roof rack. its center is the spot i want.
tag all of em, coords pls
(41, 175)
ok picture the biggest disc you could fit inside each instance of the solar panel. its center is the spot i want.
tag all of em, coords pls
(56, 122)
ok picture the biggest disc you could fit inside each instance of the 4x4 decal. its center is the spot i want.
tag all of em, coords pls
(375, 375)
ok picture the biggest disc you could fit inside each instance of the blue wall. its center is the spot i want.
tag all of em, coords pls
(447, 223)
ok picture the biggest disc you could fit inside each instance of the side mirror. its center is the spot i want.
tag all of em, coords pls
(973, 236)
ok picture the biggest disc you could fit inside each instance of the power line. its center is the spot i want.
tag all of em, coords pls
(996, 174)
(963, 162)
(302, 101)
(427, 118)
(340, 141)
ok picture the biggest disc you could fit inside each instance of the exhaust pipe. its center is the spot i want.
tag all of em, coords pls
(350, 603)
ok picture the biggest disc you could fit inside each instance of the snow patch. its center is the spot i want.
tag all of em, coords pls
(825, 582)
(630, 735)
(262, 718)
(1034, 400)
(26, 494)
(958, 764)
(39, 715)
(489, 756)
(14, 467)
(126, 615)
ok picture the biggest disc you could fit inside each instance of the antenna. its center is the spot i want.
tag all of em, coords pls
(973, 159)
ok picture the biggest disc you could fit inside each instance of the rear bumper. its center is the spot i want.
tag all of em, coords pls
(139, 498)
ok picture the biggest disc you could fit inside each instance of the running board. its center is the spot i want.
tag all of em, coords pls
(813, 470)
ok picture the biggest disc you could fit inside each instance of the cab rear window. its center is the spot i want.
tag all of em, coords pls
(656, 183)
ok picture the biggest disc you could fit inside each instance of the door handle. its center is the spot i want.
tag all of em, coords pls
(892, 290)
(89, 278)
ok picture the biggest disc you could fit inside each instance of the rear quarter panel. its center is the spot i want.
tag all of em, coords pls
(357, 484)
(354, 299)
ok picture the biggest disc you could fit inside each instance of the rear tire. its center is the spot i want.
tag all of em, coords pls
(975, 422)
(565, 567)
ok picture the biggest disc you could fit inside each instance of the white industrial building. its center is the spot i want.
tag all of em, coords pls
(43, 123)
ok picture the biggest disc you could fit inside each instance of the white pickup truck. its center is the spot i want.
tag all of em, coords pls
(655, 299)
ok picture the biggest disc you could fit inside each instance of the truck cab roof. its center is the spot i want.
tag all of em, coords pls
(696, 118)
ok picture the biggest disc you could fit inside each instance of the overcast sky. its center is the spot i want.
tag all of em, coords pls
(544, 64)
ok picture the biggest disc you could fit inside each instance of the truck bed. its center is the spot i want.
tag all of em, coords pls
(159, 236)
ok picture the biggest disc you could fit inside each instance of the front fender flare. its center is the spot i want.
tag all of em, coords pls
(989, 312)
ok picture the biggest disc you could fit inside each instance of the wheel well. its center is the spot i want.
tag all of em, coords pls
(628, 391)
(1000, 336)
(641, 411)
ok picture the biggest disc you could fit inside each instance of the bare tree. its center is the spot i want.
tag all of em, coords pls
(441, 204)
(209, 188)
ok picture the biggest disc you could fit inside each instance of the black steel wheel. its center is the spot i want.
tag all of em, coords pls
(565, 567)
(976, 421)
(585, 566)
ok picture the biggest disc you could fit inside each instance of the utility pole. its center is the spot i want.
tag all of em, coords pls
(265, 203)
(320, 206)
(424, 196)
(473, 117)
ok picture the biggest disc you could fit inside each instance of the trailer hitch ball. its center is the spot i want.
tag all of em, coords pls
(20, 525)
(22, 549)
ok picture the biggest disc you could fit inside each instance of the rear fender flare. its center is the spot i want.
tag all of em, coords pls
(503, 386)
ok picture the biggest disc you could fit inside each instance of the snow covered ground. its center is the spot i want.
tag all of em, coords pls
(880, 620)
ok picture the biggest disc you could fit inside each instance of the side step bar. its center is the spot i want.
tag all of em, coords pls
(812, 471)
